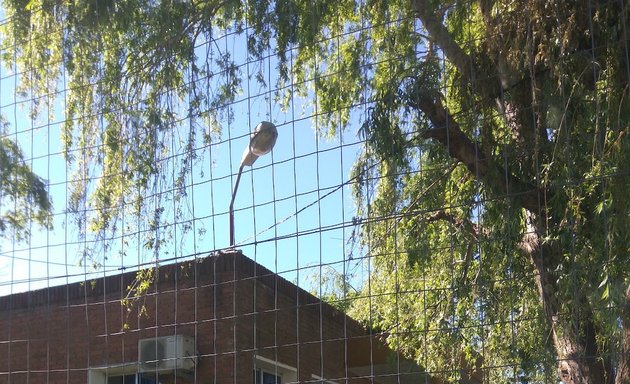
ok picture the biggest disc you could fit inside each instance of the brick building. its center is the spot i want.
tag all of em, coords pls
(221, 319)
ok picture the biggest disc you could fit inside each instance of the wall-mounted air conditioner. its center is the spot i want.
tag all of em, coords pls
(167, 353)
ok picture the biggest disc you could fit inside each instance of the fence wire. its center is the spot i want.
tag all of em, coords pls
(445, 201)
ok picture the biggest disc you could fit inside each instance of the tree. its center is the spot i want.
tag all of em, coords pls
(506, 192)
(492, 190)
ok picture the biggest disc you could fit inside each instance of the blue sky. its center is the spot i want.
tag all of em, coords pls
(290, 209)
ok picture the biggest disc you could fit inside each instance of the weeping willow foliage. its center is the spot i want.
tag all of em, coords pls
(505, 242)
(492, 191)
(23, 196)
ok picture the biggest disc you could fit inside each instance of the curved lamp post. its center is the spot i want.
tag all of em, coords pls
(261, 142)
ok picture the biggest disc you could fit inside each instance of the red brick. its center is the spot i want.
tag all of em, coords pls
(233, 307)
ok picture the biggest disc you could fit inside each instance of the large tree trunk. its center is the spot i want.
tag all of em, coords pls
(623, 367)
(579, 361)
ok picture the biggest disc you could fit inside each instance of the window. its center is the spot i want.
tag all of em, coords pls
(135, 378)
(264, 377)
(267, 371)
(123, 374)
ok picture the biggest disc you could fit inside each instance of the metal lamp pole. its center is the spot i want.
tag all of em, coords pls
(261, 142)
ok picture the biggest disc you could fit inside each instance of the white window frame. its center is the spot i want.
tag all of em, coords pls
(321, 379)
(99, 375)
(287, 373)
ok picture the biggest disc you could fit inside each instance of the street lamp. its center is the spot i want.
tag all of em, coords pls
(261, 142)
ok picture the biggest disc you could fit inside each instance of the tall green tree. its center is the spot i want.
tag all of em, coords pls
(492, 189)
(504, 175)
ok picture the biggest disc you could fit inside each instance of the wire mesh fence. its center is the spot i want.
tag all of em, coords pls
(445, 201)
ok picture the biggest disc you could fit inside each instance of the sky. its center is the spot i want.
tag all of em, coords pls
(293, 209)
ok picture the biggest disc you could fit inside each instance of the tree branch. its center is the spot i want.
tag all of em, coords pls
(490, 88)
(441, 36)
(448, 133)
(465, 223)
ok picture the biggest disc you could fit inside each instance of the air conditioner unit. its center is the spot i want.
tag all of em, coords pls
(167, 353)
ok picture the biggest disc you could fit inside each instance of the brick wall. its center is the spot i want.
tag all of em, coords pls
(234, 308)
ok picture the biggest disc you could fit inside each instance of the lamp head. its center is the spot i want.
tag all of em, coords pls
(261, 142)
